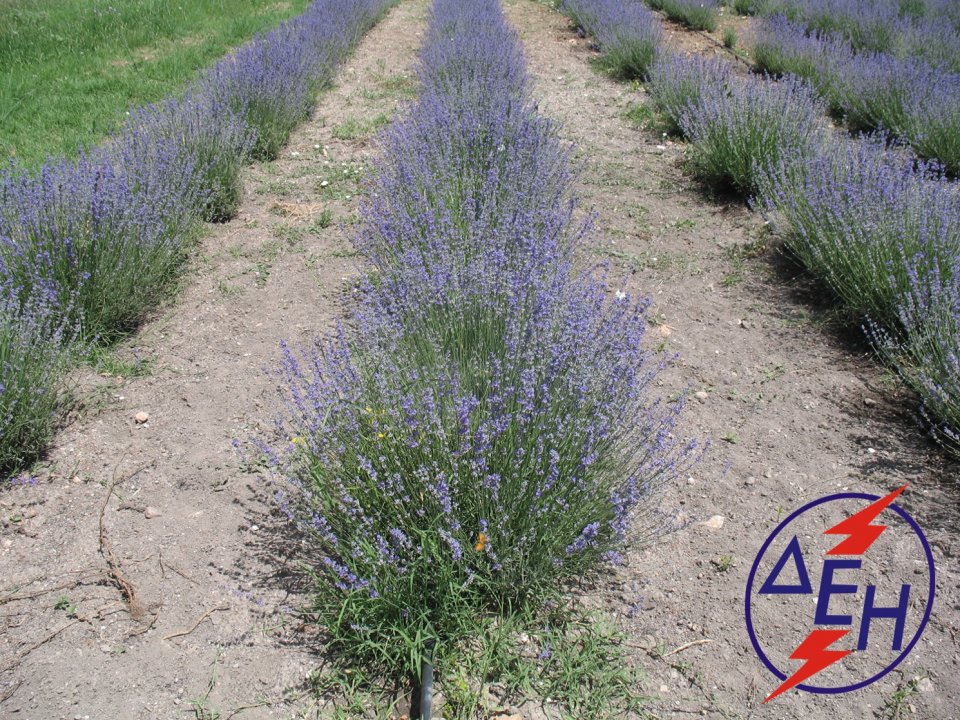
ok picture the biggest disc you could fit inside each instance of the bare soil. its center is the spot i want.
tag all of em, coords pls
(164, 510)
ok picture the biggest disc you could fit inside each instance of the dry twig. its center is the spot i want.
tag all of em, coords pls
(113, 564)
(687, 645)
(203, 617)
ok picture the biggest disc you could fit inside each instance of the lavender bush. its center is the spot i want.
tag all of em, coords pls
(627, 34)
(735, 134)
(905, 96)
(103, 234)
(36, 350)
(678, 82)
(782, 47)
(855, 210)
(209, 135)
(926, 353)
(487, 431)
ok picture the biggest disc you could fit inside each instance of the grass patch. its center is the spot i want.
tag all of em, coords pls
(568, 661)
(69, 68)
(354, 129)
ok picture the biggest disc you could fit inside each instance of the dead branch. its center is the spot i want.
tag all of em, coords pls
(687, 645)
(62, 586)
(203, 617)
(106, 550)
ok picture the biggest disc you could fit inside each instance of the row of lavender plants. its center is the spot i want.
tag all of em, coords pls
(926, 29)
(913, 97)
(880, 227)
(486, 428)
(87, 246)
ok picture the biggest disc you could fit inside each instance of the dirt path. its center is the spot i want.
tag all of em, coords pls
(794, 411)
(182, 521)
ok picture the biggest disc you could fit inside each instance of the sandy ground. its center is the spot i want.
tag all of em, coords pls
(795, 410)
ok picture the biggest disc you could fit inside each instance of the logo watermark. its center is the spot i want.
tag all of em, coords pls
(840, 593)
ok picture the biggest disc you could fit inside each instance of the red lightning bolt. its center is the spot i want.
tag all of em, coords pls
(814, 651)
(861, 533)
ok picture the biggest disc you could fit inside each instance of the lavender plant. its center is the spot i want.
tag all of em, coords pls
(926, 353)
(272, 82)
(211, 136)
(679, 82)
(36, 350)
(627, 34)
(853, 212)
(104, 234)
(488, 430)
(735, 134)
(782, 47)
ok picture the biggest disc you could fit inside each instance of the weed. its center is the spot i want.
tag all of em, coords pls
(894, 705)
(729, 38)
(322, 221)
(723, 563)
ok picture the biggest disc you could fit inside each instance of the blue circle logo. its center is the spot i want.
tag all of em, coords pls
(840, 593)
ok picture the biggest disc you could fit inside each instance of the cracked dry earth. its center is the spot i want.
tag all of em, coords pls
(794, 408)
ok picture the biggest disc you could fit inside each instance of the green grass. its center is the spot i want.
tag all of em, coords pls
(69, 69)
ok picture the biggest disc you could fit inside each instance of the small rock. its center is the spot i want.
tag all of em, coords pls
(151, 512)
(925, 685)
(141, 417)
(701, 395)
(664, 689)
(30, 513)
(750, 480)
(254, 528)
(76, 480)
(714, 523)
(6, 543)
(744, 324)
(768, 473)
(106, 648)
(869, 402)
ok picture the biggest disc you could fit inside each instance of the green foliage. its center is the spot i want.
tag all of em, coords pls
(729, 37)
(69, 68)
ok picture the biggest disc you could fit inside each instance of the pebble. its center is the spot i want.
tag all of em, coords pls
(6, 543)
(714, 523)
(30, 513)
(750, 480)
(869, 401)
(664, 689)
(151, 512)
(701, 395)
(141, 417)
(925, 685)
